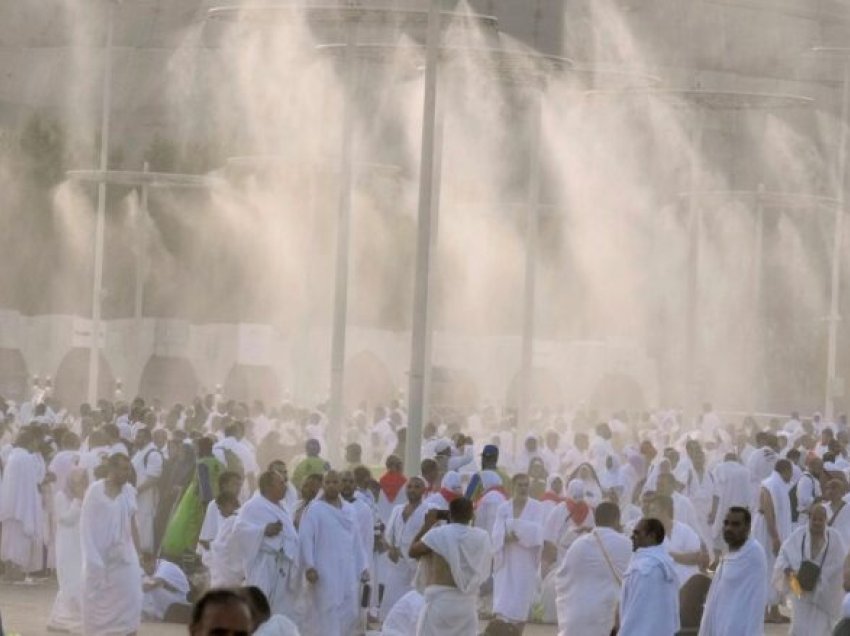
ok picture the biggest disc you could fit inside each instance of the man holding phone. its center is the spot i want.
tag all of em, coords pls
(458, 559)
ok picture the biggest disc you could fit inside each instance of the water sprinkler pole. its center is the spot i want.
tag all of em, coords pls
(419, 337)
(100, 224)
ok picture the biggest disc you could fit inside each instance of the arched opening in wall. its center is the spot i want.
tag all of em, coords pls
(367, 379)
(545, 389)
(14, 377)
(617, 392)
(169, 379)
(452, 388)
(249, 382)
(71, 384)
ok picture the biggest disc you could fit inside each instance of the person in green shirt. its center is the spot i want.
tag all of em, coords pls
(310, 465)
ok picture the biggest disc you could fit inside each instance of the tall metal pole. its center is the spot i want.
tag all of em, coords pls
(439, 128)
(692, 349)
(337, 408)
(756, 334)
(838, 241)
(421, 289)
(142, 215)
(532, 221)
(97, 291)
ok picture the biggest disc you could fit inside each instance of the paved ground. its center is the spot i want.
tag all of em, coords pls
(25, 611)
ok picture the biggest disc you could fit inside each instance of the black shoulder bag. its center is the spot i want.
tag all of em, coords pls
(809, 571)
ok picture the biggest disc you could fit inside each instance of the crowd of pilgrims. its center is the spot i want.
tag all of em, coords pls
(647, 523)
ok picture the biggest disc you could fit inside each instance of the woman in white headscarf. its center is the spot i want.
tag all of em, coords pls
(67, 608)
(611, 479)
(565, 523)
(593, 491)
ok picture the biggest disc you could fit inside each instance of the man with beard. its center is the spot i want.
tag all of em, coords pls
(736, 598)
(332, 560)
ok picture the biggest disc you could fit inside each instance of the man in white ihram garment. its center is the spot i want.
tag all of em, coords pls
(112, 588)
(815, 611)
(147, 462)
(837, 509)
(265, 539)
(681, 541)
(772, 526)
(66, 614)
(458, 559)
(404, 524)
(332, 561)
(732, 482)
(517, 544)
(21, 510)
(649, 603)
(493, 496)
(736, 598)
(588, 579)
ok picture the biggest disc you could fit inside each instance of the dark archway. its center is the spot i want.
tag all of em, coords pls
(453, 388)
(71, 384)
(169, 379)
(545, 390)
(618, 392)
(249, 382)
(14, 377)
(368, 379)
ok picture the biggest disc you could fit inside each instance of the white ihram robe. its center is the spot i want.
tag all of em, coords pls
(587, 589)
(841, 521)
(156, 602)
(452, 611)
(330, 544)
(516, 566)
(732, 483)
(148, 466)
(268, 562)
(112, 577)
(67, 608)
(778, 490)
(21, 510)
(736, 598)
(223, 558)
(649, 603)
(814, 613)
(400, 534)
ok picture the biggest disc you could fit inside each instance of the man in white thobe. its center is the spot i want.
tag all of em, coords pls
(815, 612)
(649, 603)
(517, 543)
(809, 490)
(267, 543)
(458, 559)
(224, 558)
(681, 541)
(21, 509)
(332, 561)
(588, 579)
(732, 481)
(772, 526)
(736, 598)
(404, 524)
(837, 509)
(147, 462)
(112, 576)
